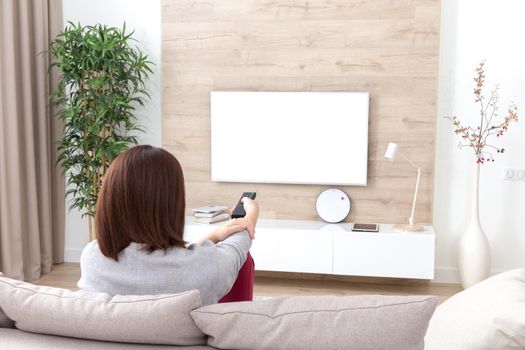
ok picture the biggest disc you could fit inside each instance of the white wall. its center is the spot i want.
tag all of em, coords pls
(145, 18)
(473, 30)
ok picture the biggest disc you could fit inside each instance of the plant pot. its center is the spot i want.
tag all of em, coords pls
(474, 247)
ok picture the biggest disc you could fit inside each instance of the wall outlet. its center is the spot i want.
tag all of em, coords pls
(515, 174)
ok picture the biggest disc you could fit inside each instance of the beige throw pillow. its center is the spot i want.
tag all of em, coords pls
(487, 316)
(161, 319)
(323, 322)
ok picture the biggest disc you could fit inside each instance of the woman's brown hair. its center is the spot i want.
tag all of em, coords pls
(142, 200)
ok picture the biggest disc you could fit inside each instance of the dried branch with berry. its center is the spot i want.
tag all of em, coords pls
(490, 124)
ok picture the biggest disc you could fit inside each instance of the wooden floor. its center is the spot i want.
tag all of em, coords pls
(66, 276)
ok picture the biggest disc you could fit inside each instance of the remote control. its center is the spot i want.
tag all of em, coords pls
(239, 212)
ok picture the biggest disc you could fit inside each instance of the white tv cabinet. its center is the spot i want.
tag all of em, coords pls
(318, 247)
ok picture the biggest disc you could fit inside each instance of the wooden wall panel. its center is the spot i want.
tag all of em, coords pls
(389, 48)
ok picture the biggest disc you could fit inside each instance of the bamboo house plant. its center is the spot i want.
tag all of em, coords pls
(102, 82)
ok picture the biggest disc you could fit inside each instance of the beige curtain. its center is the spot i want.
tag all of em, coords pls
(31, 188)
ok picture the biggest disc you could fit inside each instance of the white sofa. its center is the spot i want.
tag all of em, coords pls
(52, 318)
(489, 315)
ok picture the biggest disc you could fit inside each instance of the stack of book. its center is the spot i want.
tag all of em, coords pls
(210, 214)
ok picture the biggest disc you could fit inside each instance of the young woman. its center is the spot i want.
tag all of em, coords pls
(140, 247)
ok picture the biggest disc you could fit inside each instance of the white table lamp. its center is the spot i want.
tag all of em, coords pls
(390, 154)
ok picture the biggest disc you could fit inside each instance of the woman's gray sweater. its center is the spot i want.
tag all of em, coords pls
(210, 268)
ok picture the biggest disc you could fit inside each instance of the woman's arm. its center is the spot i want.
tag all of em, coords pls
(232, 250)
(228, 257)
(221, 233)
(236, 225)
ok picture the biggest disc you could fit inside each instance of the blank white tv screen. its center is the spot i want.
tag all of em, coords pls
(289, 137)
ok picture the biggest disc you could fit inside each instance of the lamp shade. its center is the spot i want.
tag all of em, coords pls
(391, 151)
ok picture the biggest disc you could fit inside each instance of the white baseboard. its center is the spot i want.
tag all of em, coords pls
(451, 274)
(72, 255)
(446, 275)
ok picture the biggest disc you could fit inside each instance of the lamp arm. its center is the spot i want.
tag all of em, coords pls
(390, 155)
(411, 218)
(408, 160)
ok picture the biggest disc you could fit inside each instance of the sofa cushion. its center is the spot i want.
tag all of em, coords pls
(323, 322)
(488, 315)
(5, 322)
(161, 319)
(17, 339)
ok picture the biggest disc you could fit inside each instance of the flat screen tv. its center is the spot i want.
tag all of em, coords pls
(289, 137)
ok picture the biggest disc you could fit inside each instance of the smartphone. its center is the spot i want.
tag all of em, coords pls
(365, 227)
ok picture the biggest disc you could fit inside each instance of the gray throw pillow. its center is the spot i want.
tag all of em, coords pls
(159, 319)
(323, 322)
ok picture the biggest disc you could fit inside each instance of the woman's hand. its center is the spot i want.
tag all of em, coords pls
(231, 227)
(251, 207)
(248, 226)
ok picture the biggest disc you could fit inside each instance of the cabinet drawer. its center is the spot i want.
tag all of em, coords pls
(401, 255)
(292, 251)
